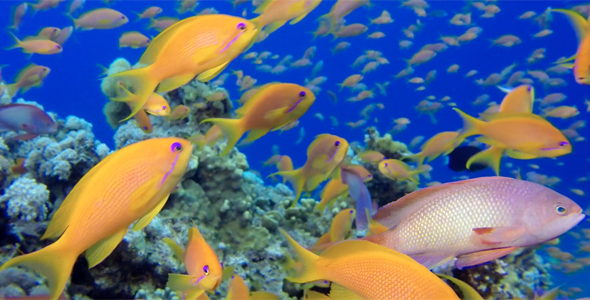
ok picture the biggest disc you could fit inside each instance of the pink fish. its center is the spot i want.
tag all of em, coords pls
(19, 12)
(474, 220)
(27, 118)
(100, 18)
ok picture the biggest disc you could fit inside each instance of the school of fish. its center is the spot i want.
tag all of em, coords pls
(369, 252)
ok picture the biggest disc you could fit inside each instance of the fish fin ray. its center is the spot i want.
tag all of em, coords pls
(101, 250)
(490, 157)
(232, 129)
(176, 249)
(481, 257)
(181, 283)
(497, 235)
(211, 73)
(175, 82)
(338, 292)
(147, 218)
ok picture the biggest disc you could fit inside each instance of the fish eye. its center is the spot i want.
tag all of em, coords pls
(337, 143)
(386, 164)
(563, 144)
(177, 147)
(123, 17)
(369, 175)
(560, 210)
(164, 107)
(206, 269)
(221, 265)
(530, 88)
(302, 94)
(144, 127)
(351, 211)
(57, 47)
(241, 26)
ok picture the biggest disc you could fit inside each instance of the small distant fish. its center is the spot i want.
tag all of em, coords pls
(100, 18)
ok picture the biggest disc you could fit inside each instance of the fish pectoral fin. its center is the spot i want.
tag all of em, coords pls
(431, 261)
(272, 27)
(338, 292)
(104, 22)
(481, 257)
(211, 73)
(195, 294)
(296, 20)
(275, 114)
(498, 235)
(491, 142)
(490, 157)
(559, 62)
(25, 137)
(182, 283)
(313, 182)
(145, 220)
(174, 82)
(99, 251)
(320, 162)
(256, 134)
(176, 249)
(520, 155)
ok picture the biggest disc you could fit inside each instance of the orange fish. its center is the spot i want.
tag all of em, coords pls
(518, 100)
(36, 46)
(130, 185)
(581, 64)
(441, 143)
(341, 227)
(324, 156)
(272, 107)
(238, 290)
(398, 170)
(275, 13)
(202, 265)
(363, 270)
(31, 76)
(213, 135)
(200, 45)
(155, 104)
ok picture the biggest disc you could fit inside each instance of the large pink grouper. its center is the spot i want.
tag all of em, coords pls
(475, 220)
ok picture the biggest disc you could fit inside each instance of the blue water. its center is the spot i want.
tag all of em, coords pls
(73, 88)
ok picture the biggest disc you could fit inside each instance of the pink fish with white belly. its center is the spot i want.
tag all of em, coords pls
(27, 118)
(474, 220)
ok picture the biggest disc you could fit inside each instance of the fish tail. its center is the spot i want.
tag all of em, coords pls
(490, 157)
(176, 249)
(55, 262)
(17, 42)
(418, 158)
(305, 269)
(232, 129)
(295, 177)
(470, 125)
(143, 83)
(11, 89)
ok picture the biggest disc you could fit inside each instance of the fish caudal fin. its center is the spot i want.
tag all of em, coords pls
(55, 262)
(470, 125)
(490, 157)
(143, 85)
(304, 269)
(17, 42)
(11, 89)
(418, 158)
(232, 129)
(295, 177)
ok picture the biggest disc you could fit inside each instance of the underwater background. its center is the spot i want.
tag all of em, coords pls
(73, 88)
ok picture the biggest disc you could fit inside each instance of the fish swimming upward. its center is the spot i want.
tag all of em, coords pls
(475, 220)
(129, 185)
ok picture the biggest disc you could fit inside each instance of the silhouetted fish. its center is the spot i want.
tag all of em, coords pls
(459, 157)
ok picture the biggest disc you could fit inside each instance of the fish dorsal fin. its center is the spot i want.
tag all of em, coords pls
(338, 292)
(393, 213)
(578, 21)
(316, 141)
(158, 43)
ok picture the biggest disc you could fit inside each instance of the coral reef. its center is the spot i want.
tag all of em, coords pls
(508, 277)
(384, 190)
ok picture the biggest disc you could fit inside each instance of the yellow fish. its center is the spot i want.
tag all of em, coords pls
(441, 143)
(202, 265)
(518, 100)
(581, 65)
(272, 107)
(398, 170)
(238, 290)
(364, 270)
(155, 104)
(201, 45)
(129, 185)
(341, 227)
(521, 132)
(324, 156)
(275, 13)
